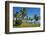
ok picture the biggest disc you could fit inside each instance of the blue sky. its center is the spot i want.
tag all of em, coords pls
(30, 11)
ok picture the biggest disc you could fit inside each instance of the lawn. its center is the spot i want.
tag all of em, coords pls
(27, 25)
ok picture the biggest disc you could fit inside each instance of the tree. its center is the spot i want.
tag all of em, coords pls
(16, 15)
(27, 17)
(36, 17)
(31, 19)
(17, 21)
(23, 12)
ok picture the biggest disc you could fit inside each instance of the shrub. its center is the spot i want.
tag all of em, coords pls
(18, 22)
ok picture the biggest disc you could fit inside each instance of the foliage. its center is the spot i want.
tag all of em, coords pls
(18, 22)
(23, 12)
(36, 17)
(31, 19)
(16, 14)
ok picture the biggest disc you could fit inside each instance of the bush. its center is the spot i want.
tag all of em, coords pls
(18, 22)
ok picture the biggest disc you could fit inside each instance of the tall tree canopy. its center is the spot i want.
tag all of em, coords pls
(36, 17)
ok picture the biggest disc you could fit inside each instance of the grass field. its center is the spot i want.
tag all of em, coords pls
(27, 25)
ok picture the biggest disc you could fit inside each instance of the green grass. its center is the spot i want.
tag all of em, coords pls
(27, 25)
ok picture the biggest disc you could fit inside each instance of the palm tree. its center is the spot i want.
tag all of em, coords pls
(23, 12)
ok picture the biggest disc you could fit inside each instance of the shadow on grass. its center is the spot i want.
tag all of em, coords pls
(26, 25)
